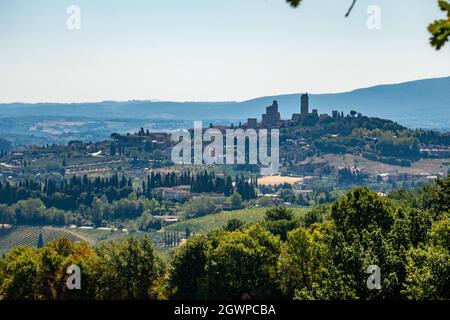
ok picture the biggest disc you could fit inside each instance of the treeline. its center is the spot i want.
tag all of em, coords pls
(378, 148)
(67, 194)
(70, 194)
(432, 137)
(33, 211)
(127, 270)
(328, 254)
(202, 182)
(350, 176)
(331, 253)
(344, 124)
(199, 182)
(99, 201)
(373, 138)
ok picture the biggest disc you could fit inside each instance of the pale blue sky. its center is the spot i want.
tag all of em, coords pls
(205, 50)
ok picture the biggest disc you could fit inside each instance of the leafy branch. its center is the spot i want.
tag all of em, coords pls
(296, 3)
(350, 9)
(440, 29)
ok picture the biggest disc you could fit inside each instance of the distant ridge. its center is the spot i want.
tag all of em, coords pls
(415, 104)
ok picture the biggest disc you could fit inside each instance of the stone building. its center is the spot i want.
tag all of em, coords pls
(272, 117)
(304, 109)
(252, 123)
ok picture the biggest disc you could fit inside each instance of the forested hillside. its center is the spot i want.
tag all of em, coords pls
(323, 255)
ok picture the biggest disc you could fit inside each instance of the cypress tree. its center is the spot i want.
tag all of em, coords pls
(40, 242)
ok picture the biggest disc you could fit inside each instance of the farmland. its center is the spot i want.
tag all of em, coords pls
(25, 235)
(29, 235)
(215, 221)
(423, 166)
(276, 180)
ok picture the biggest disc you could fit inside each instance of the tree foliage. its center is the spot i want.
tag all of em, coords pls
(440, 29)
(324, 256)
(127, 270)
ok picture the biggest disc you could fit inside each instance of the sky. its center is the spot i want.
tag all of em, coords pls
(210, 50)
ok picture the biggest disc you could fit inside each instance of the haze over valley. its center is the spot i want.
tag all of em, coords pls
(416, 104)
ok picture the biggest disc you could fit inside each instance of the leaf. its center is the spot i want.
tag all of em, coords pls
(445, 6)
(294, 3)
(440, 29)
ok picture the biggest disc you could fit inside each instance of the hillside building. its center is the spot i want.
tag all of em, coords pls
(304, 104)
(252, 123)
(272, 117)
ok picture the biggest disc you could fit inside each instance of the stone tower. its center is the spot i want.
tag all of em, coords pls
(304, 110)
(272, 116)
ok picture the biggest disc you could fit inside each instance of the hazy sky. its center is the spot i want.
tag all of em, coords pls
(207, 50)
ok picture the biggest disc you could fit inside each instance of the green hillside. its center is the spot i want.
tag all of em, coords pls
(215, 221)
(27, 235)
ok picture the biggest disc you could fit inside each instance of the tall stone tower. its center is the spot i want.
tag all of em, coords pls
(272, 116)
(304, 110)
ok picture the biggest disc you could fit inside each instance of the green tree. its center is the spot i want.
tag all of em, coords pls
(98, 209)
(279, 213)
(317, 214)
(145, 220)
(306, 269)
(188, 275)
(51, 263)
(264, 202)
(85, 257)
(367, 233)
(233, 225)
(200, 207)
(18, 274)
(129, 270)
(40, 242)
(242, 264)
(436, 197)
(27, 273)
(279, 221)
(428, 265)
(236, 201)
(303, 263)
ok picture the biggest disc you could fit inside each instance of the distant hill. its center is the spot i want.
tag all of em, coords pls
(415, 104)
(5, 145)
(421, 103)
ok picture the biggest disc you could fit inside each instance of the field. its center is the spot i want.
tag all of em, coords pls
(423, 166)
(100, 235)
(29, 235)
(25, 235)
(276, 180)
(215, 221)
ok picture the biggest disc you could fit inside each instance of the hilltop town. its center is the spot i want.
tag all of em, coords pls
(127, 189)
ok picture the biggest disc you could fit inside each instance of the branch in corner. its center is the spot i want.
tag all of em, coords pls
(350, 9)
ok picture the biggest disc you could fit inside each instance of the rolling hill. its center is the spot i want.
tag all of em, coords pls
(422, 103)
(216, 221)
(27, 235)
